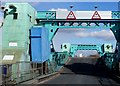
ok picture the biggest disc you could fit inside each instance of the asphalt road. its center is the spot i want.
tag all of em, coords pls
(83, 71)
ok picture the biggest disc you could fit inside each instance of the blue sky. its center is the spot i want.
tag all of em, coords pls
(82, 6)
(74, 36)
(79, 36)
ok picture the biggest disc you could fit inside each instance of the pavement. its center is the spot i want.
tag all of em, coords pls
(82, 71)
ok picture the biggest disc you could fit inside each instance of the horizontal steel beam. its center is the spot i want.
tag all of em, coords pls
(79, 20)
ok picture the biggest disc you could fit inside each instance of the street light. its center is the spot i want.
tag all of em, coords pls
(96, 7)
(71, 6)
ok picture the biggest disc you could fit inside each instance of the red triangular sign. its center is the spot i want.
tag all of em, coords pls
(96, 15)
(71, 16)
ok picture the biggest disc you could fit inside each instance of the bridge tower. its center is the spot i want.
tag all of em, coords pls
(15, 36)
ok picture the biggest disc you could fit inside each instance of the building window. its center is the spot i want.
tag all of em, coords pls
(15, 15)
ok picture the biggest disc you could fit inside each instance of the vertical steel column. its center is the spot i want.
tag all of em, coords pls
(116, 32)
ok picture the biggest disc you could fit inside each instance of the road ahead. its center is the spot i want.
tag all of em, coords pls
(83, 71)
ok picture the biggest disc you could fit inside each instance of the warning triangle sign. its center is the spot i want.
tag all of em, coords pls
(71, 16)
(96, 15)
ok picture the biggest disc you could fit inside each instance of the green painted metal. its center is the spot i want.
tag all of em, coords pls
(105, 51)
(52, 30)
(76, 47)
(108, 48)
(59, 58)
(46, 14)
(50, 22)
(17, 23)
(113, 24)
(111, 61)
(79, 23)
(52, 14)
(66, 47)
(21, 25)
(15, 41)
(73, 48)
(116, 32)
(115, 14)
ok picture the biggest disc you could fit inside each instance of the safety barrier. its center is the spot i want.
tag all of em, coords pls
(18, 72)
(33, 70)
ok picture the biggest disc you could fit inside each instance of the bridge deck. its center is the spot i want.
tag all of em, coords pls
(82, 71)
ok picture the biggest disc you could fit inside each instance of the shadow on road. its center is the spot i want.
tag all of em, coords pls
(93, 68)
(88, 66)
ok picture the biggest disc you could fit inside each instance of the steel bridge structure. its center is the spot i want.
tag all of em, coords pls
(27, 36)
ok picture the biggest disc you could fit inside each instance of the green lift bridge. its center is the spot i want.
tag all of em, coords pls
(18, 35)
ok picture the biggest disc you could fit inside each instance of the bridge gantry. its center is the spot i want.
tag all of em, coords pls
(73, 48)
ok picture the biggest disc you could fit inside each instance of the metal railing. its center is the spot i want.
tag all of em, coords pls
(22, 71)
(18, 72)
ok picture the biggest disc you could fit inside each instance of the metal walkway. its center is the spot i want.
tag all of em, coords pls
(82, 71)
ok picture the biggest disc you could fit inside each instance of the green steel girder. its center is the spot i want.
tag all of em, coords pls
(76, 47)
(59, 59)
(55, 24)
(52, 14)
(79, 23)
(53, 28)
(58, 55)
(73, 48)
(46, 14)
(48, 19)
(111, 60)
(115, 14)
(116, 31)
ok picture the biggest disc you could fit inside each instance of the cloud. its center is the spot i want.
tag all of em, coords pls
(103, 34)
(71, 30)
(83, 34)
(58, 9)
(106, 35)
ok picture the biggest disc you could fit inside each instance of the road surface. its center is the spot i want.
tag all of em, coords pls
(83, 71)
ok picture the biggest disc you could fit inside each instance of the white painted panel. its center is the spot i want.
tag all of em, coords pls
(83, 14)
(13, 44)
(8, 57)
